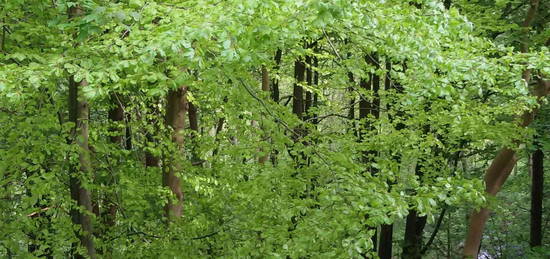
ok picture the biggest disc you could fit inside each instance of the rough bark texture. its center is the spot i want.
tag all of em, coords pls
(176, 111)
(537, 181)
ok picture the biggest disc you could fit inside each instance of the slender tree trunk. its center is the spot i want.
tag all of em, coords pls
(275, 81)
(152, 160)
(298, 90)
(128, 128)
(275, 93)
(193, 118)
(315, 83)
(309, 81)
(79, 114)
(365, 108)
(386, 231)
(265, 88)
(194, 127)
(116, 115)
(176, 109)
(537, 181)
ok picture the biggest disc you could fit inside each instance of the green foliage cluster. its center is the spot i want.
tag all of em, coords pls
(460, 71)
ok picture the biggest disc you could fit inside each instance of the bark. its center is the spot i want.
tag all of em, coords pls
(351, 110)
(375, 109)
(412, 246)
(386, 241)
(315, 83)
(386, 231)
(365, 107)
(436, 230)
(275, 93)
(265, 88)
(128, 132)
(502, 165)
(79, 114)
(193, 118)
(447, 4)
(537, 181)
(275, 81)
(116, 115)
(176, 110)
(151, 160)
(309, 81)
(298, 91)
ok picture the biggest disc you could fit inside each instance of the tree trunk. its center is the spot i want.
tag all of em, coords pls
(275, 82)
(386, 241)
(176, 109)
(79, 114)
(316, 83)
(502, 165)
(116, 115)
(412, 246)
(365, 108)
(298, 91)
(152, 160)
(537, 181)
(265, 88)
(386, 231)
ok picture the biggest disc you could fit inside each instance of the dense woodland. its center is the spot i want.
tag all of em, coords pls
(274, 129)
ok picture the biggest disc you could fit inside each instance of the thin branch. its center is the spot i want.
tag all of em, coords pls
(434, 233)
(331, 45)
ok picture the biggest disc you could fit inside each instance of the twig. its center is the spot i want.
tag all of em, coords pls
(331, 45)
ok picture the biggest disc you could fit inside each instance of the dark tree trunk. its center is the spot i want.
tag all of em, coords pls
(412, 245)
(298, 90)
(176, 111)
(414, 228)
(315, 83)
(309, 82)
(193, 118)
(386, 231)
(265, 88)
(275, 82)
(386, 241)
(116, 116)
(447, 4)
(365, 108)
(537, 181)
